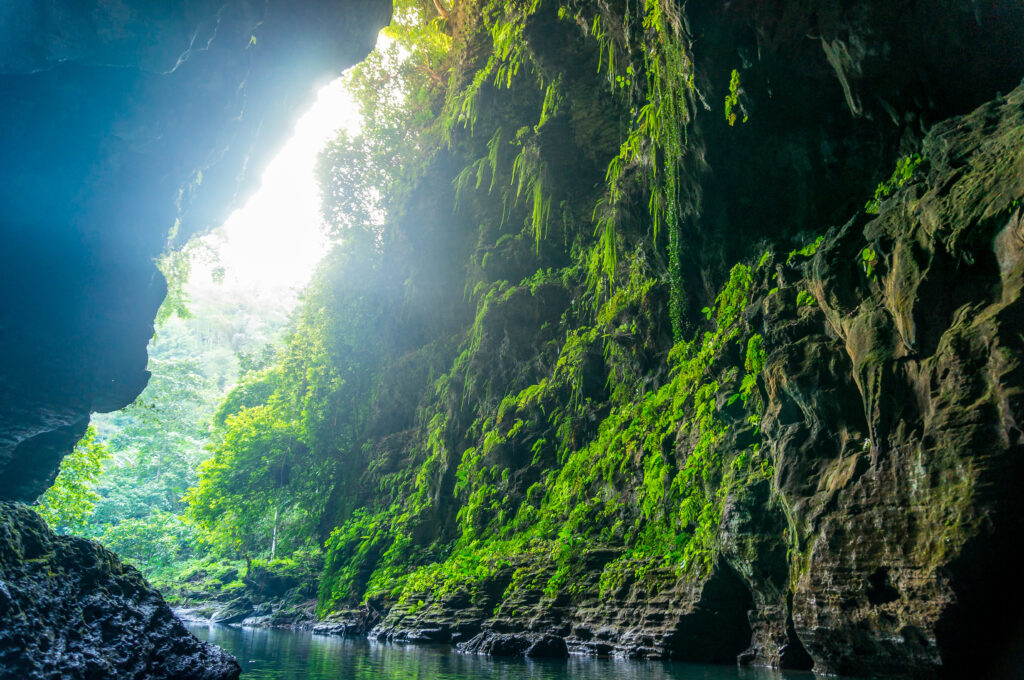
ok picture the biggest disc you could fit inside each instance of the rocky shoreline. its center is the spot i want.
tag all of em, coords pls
(71, 609)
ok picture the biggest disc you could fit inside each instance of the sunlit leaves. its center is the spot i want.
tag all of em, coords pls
(67, 504)
(257, 473)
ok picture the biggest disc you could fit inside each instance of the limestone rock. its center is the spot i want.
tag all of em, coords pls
(884, 542)
(70, 609)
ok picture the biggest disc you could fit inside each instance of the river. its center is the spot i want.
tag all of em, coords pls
(299, 655)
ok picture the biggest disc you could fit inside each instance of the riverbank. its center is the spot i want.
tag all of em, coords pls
(278, 654)
(278, 593)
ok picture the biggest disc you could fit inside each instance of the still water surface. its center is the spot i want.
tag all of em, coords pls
(298, 655)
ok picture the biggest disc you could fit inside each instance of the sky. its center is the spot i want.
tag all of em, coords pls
(273, 243)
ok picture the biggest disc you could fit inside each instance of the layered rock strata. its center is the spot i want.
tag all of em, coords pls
(894, 420)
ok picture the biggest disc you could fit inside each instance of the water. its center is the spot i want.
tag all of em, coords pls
(298, 655)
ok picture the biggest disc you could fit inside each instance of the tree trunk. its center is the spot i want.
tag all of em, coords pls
(273, 540)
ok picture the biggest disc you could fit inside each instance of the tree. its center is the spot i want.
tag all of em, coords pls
(361, 174)
(258, 488)
(67, 505)
(157, 441)
(151, 543)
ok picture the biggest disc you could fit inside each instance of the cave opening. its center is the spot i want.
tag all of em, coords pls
(531, 342)
(231, 293)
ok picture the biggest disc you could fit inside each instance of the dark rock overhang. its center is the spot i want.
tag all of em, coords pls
(119, 123)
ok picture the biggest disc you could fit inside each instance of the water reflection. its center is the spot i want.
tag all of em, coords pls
(295, 655)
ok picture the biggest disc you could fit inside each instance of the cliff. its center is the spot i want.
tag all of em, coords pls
(863, 503)
(718, 356)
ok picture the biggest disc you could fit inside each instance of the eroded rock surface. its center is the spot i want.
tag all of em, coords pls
(895, 415)
(69, 608)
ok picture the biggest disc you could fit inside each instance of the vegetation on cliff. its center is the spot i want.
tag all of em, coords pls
(465, 389)
(555, 364)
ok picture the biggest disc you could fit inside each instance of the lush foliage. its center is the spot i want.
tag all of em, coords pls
(501, 367)
(462, 393)
(253, 482)
(126, 479)
(153, 543)
(67, 505)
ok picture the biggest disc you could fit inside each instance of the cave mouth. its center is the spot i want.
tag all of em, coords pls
(512, 364)
(275, 241)
(127, 129)
(231, 291)
(718, 630)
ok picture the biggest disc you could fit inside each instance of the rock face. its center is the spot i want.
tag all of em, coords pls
(884, 542)
(123, 124)
(126, 126)
(897, 454)
(71, 609)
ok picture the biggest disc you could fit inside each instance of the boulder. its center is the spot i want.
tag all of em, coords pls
(71, 609)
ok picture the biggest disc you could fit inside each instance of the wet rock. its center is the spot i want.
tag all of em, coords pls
(664, 616)
(261, 621)
(346, 623)
(194, 614)
(234, 612)
(894, 417)
(71, 609)
(457, 619)
(533, 645)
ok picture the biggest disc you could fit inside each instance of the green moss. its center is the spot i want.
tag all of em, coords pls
(868, 261)
(805, 299)
(807, 251)
(624, 485)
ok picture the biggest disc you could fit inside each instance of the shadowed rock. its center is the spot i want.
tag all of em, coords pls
(122, 123)
(71, 609)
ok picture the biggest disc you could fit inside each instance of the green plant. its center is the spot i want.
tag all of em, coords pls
(868, 261)
(732, 100)
(70, 500)
(905, 168)
(807, 251)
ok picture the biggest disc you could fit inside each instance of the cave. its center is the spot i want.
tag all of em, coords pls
(124, 126)
(687, 331)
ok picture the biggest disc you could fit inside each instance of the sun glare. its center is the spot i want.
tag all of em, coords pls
(275, 240)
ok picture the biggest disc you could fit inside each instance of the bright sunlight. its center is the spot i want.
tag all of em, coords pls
(275, 240)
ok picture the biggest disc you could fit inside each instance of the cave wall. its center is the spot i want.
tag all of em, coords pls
(126, 127)
(876, 537)
(121, 122)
